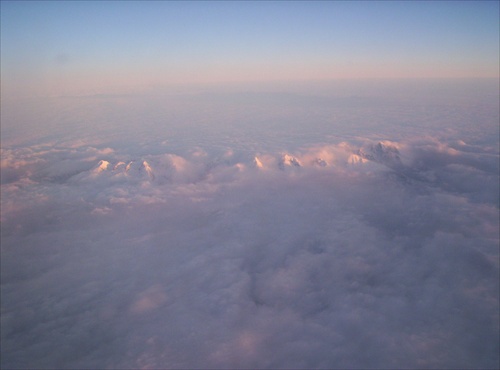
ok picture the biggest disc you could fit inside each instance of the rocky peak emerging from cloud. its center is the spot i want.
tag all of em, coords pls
(148, 169)
(257, 162)
(101, 166)
(289, 161)
(385, 153)
(320, 162)
(120, 166)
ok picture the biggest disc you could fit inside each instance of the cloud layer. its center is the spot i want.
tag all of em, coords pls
(359, 254)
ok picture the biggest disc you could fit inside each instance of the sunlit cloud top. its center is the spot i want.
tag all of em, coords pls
(67, 47)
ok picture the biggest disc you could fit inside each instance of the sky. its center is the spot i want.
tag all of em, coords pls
(54, 48)
(235, 185)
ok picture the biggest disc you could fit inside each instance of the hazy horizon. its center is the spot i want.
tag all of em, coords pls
(93, 47)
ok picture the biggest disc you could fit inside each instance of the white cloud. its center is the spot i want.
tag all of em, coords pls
(354, 253)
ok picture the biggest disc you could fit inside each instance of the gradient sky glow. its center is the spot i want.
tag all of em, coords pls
(73, 47)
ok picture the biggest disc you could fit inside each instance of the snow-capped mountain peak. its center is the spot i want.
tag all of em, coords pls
(120, 166)
(257, 162)
(129, 166)
(383, 152)
(148, 169)
(101, 166)
(289, 161)
(356, 159)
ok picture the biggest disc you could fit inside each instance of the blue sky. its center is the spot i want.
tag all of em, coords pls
(58, 47)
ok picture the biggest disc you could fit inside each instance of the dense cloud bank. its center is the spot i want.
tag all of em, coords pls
(359, 254)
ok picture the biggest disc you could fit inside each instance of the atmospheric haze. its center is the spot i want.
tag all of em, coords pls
(334, 223)
(350, 228)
